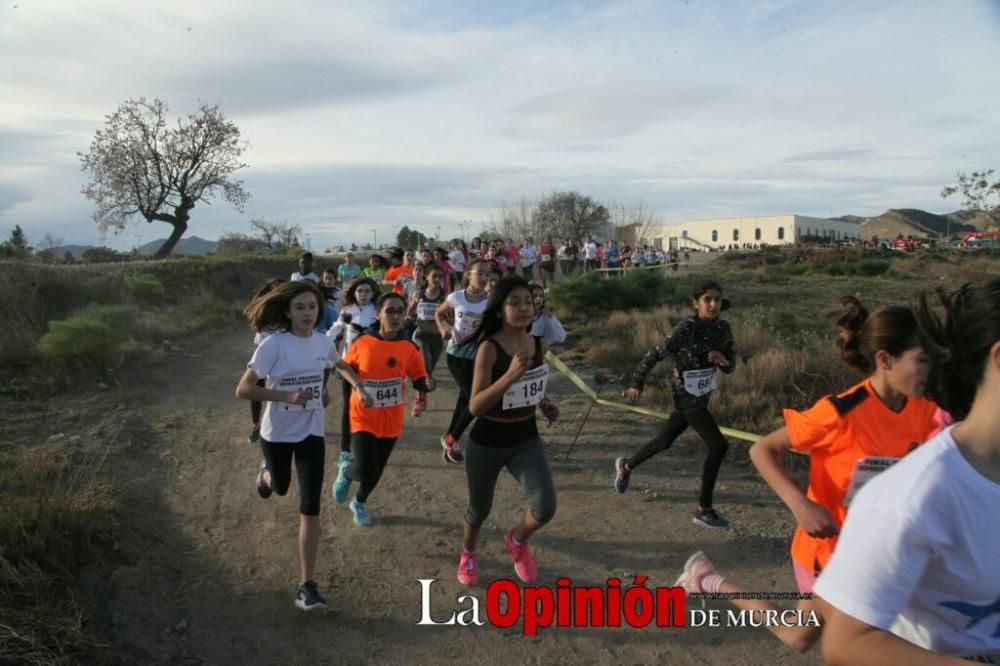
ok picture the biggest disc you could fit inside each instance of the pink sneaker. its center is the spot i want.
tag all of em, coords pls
(452, 449)
(695, 569)
(468, 568)
(418, 407)
(524, 563)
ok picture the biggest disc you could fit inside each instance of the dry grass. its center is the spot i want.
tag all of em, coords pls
(58, 520)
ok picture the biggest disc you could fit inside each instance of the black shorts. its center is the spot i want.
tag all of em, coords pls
(310, 459)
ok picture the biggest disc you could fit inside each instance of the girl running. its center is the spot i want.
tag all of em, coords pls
(294, 360)
(382, 360)
(423, 306)
(376, 268)
(467, 307)
(357, 315)
(915, 571)
(545, 324)
(849, 436)
(259, 336)
(457, 257)
(698, 345)
(440, 257)
(508, 384)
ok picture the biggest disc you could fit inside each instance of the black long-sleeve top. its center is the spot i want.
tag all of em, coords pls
(688, 345)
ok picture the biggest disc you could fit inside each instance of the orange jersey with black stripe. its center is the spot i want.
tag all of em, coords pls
(837, 432)
(383, 367)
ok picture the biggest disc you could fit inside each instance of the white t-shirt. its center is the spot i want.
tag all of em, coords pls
(919, 554)
(362, 315)
(457, 260)
(308, 276)
(467, 319)
(590, 250)
(291, 363)
(528, 255)
(549, 327)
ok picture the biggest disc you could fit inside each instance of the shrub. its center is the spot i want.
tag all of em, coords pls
(872, 267)
(638, 289)
(81, 341)
(145, 288)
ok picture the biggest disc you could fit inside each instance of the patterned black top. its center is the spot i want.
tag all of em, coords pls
(688, 344)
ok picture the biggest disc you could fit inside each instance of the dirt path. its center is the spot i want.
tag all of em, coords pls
(208, 569)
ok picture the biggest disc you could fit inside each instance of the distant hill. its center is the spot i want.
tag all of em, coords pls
(913, 222)
(192, 245)
(76, 250)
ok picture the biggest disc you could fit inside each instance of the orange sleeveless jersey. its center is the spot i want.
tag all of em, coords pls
(374, 358)
(395, 273)
(838, 431)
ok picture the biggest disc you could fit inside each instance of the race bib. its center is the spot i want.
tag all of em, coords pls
(546, 258)
(385, 392)
(699, 382)
(529, 390)
(311, 384)
(426, 310)
(865, 470)
(467, 323)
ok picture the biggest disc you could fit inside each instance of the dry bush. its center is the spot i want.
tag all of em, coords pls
(57, 520)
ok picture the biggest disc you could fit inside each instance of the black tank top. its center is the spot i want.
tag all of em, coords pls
(500, 366)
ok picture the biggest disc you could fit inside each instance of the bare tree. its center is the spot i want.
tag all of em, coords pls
(978, 193)
(139, 166)
(634, 224)
(276, 236)
(572, 215)
(50, 242)
(516, 220)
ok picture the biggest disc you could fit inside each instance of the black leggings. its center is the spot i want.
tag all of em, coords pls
(461, 369)
(703, 424)
(310, 457)
(345, 417)
(257, 405)
(369, 456)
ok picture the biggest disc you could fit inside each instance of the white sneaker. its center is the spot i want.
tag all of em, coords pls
(695, 569)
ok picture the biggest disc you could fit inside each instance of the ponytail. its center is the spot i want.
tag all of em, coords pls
(860, 336)
(959, 343)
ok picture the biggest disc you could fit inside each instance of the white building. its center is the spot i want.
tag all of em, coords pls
(738, 231)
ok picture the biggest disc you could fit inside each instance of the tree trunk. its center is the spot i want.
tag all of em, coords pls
(179, 222)
(175, 235)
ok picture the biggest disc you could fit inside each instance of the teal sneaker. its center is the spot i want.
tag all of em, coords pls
(342, 486)
(344, 458)
(360, 511)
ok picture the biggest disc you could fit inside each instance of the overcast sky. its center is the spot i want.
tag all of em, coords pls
(365, 115)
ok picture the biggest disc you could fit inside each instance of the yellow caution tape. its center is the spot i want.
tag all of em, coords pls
(582, 385)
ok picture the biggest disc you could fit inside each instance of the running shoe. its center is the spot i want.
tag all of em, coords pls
(360, 511)
(254, 435)
(520, 554)
(695, 569)
(308, 597)
(342, 485)
(468, 568)
(622, 474)
(452, 449)
(263, 489)
(710, 518)
(418, 407)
